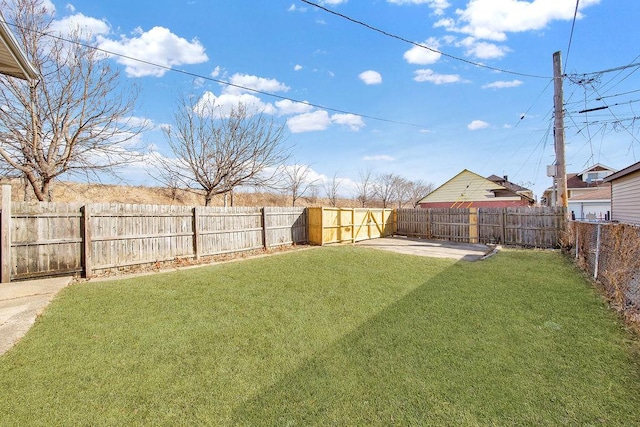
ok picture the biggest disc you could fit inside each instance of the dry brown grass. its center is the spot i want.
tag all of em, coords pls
(105, 193)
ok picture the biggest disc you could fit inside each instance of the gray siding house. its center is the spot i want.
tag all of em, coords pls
(625, 194)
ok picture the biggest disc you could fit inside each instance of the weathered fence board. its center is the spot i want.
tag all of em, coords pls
(45, 239)
(522, 226)
(48, 239)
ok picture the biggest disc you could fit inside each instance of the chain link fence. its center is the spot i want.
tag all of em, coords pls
(610, 253)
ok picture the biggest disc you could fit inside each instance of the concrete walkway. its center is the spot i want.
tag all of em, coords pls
(429, 248)
(20, 305)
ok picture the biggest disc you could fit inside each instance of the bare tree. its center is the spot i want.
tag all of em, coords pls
(73, 119)
(418, 190)
(402, 190)
(364, 187)
(217, 152)
(385, 188)
(331, 190)
(296, 181)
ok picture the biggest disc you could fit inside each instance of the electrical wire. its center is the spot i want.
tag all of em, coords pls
(388, 34)
(624, 127)
(618, 94)
(533, 103)
(212, 79)
(573, 25)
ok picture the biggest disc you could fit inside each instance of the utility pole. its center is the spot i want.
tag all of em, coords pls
(560, 176)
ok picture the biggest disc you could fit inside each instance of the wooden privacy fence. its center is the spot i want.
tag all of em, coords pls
(339, 225)
(522, 226)
(58, 238)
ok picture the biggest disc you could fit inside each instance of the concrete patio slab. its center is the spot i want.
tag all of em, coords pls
(429, 248)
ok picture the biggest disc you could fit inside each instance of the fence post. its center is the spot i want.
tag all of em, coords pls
(5, 238)
(263, 213)
(473, 225)
(503, 229)
(196, 232)
(353, 225)
(595, 268)
(575, 230)
(85, 229)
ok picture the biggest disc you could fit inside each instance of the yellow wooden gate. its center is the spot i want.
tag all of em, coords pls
(341, 225)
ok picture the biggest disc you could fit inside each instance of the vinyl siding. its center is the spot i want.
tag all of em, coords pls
(625, 198)
(463, 188)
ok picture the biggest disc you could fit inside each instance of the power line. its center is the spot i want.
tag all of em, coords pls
(617, 94)
(222, 82)
(573, 25)
(534, 102)
(624, 127)
(386, 33)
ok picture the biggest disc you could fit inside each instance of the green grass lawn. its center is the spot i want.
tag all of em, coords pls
(330, 336)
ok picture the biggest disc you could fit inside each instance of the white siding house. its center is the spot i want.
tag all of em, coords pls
(592, 206)
(13, 60)
(625, 194)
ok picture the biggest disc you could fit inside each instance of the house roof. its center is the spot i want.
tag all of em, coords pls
(574, 181)
(464, 186)
(468, 186)
(626, 171)
(595, 168)
(601, 193)
(506, 183)
(13, 60)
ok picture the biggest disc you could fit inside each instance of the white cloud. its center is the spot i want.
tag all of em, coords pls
(378, 158)
(370, 77)
(438, 6)
(294, 8)
(158, 45)
(483, 50)
(49, 7)
(89, 27)
(353, 121)
(477, 124)
(254, 82)
(286, 107)
(492, 20)
(320, 120)
(297, 67)
(333, 2)
(428, 75)
(421, 55)
(502, 84)
(226, 102)
(310, 176)
(308, 122)
(216, 72)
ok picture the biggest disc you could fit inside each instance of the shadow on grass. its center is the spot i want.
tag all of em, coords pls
(463, 350)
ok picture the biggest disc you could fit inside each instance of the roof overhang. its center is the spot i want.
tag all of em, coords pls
(624, 172)
(13, 60)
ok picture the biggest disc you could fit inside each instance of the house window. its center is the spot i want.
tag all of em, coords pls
(596, 176)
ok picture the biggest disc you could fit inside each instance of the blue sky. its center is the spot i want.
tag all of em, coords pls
(383, 104)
